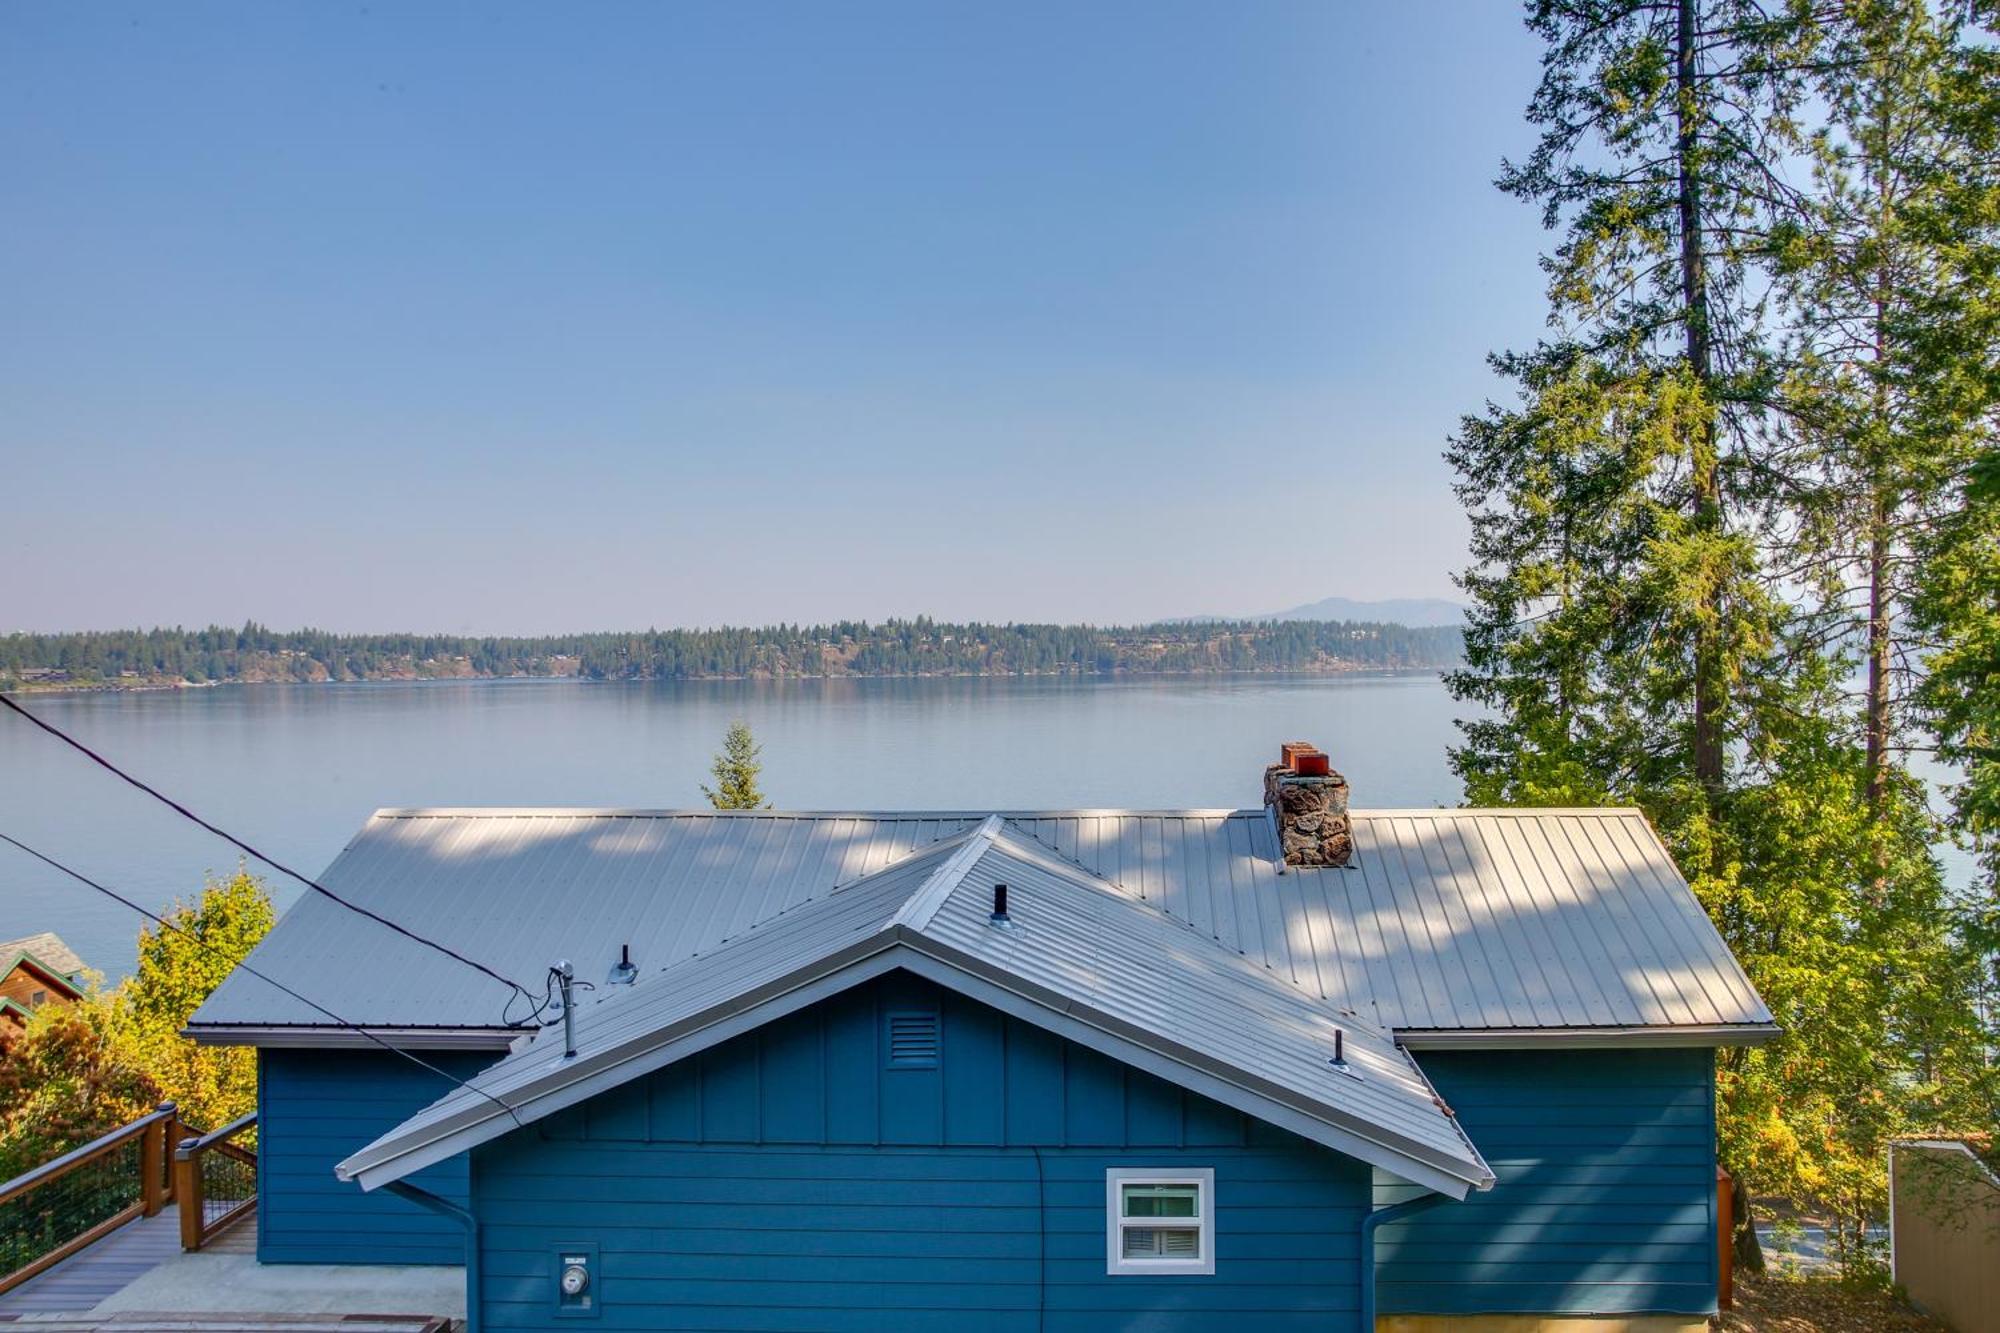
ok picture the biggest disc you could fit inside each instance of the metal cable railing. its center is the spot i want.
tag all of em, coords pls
(215, 1177)
(61, 1206)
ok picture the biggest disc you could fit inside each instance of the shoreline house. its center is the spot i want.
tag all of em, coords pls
(1279, 1068)
(36, 970)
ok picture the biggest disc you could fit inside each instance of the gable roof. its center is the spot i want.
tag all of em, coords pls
(47, 949)
(1451, 926)
(1076, 955)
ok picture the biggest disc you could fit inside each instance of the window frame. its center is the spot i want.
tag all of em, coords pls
(1202, 1178)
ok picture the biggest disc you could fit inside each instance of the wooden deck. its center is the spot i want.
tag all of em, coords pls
(85, 1322)
(85, 1278)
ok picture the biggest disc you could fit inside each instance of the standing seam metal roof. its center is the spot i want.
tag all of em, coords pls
(1449, 921)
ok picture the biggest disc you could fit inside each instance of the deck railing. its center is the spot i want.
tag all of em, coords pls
(61, 1206)
(215, 1179)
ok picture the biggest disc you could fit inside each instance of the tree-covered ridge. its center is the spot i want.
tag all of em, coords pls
(847, 648)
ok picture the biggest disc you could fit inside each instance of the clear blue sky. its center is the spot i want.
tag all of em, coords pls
(523, 317)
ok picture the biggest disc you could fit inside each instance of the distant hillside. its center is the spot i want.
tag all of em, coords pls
(1413, 611)
(920, 647)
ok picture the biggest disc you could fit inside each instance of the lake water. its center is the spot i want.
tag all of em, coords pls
(296, 769)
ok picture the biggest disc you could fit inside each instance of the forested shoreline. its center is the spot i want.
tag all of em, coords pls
(916, 647)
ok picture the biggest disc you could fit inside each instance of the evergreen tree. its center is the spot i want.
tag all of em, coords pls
(1958, 356)
(1628, 636)
(735, 770)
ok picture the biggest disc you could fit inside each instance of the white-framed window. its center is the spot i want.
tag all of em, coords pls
(1159, 1221)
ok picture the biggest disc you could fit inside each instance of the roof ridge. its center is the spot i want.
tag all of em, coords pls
(917, 911)
(1123, 896)
(919, 816)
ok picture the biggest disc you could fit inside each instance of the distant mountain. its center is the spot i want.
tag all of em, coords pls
(1413, 611)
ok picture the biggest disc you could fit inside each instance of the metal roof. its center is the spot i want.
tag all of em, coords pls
(1077, 955)
(1451, 925)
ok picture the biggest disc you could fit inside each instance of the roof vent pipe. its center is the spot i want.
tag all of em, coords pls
(622, 971)
(999, 916)
(564, 974)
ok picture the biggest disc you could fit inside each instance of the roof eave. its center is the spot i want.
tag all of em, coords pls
(898, 946)
(313, 1036)
(372, 1166)
(1589, 1038)
(1236, 1088)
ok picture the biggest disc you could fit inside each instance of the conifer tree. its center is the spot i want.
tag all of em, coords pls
(735, 770)
(1626, 638)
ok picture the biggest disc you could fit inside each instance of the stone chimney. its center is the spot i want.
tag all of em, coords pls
(1309, 801)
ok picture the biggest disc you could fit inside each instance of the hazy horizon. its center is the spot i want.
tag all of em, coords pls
(714, 625)
(502, 319)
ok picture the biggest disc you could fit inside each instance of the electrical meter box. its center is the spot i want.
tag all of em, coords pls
(576, 1281)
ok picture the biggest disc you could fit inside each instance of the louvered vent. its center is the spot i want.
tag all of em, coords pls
(912, 1038)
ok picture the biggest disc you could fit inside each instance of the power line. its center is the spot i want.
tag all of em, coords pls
(201, 943)
(275, 864)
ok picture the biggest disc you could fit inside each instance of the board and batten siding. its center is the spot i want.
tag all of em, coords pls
(316, 1107)
(1605, 1201)
(795, 1179)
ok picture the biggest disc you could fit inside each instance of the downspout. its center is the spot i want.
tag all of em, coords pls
(423, 1198)
(1395, 1212)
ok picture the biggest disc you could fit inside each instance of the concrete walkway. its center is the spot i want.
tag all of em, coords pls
(228, 1278)
(85, 1321)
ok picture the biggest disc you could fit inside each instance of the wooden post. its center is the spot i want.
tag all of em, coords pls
(170, 1134)
(1725, 1239)
(153, 1141)
(187, 1185)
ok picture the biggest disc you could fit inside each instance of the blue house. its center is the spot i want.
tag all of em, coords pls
(1286, 1067)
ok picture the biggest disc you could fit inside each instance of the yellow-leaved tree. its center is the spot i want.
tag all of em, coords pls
(79, 1070)
(179, 964)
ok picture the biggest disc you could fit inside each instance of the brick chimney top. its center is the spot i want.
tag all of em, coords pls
(1309, 801)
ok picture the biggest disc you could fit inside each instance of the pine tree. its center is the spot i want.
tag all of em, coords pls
(1617, 600)
(1958, 599)
(1861, 271)
(735, 771)
(1626, 638)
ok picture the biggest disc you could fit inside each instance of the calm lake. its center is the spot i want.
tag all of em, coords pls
(296, 769)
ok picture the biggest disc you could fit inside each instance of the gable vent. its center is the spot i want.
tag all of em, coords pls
(912, 1038)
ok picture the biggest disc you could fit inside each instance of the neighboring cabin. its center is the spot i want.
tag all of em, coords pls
(1077, 1070)
(36, 970)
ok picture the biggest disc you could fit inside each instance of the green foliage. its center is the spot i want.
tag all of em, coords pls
(211, 1084)
(1711, 503)
(80, 1070)
(919, 647)
(735, 770)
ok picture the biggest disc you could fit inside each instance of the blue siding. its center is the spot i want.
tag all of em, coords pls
(1606, 1195)
(790, 1180)
(316, 1107)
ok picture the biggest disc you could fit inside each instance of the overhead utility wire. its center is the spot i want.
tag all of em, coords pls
(276, 865)
(164, 924)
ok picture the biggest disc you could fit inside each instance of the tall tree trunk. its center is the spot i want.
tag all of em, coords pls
(1878, 721)
(1707, 490)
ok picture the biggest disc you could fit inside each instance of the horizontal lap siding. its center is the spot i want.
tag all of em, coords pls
(790, 1181)
(315, 1108)
(1605, 1201)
